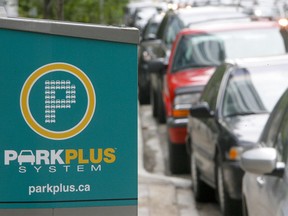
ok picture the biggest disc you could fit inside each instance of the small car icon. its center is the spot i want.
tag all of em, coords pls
(26, 156)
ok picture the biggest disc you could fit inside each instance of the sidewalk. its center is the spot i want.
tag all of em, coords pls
(160, 195)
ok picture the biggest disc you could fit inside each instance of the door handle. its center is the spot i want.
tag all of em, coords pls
(260, 180)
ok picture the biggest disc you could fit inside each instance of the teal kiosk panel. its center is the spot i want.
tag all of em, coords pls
(68, 115)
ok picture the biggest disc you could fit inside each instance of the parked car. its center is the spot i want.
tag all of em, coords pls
(195, 54)
(149, 33)
(142, 15)
(265, 186)
(160, 49)
(228, 119)
(130, 9)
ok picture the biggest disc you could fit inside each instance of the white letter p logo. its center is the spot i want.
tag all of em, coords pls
(52, 103)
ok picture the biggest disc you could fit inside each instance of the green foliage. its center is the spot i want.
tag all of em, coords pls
(89, 11)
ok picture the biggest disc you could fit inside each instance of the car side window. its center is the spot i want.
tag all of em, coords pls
(270, 133)
(211, 90)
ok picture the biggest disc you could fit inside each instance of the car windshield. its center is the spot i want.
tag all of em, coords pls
(248, 93)
(204, 50)
(150, 29)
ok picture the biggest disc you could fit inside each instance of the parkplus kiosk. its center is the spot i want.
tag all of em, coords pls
(68, 141)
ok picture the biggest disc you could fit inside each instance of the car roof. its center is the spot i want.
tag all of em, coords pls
(200, 14)
(228, 26)
(260, 61)
(156, 18)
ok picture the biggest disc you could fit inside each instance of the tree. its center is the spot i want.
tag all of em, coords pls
(89, 11)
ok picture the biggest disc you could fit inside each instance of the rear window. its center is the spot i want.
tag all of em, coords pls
(205, 50)
(254, 90)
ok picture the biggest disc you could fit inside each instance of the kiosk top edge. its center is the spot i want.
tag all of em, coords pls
(72, 29)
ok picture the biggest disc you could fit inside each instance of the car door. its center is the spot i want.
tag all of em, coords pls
(266, 192)
(275, 188)
(204, 132)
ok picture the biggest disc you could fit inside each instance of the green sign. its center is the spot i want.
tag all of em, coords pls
(68, 115)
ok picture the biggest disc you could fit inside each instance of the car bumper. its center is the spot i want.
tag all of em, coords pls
(177, 130)
(233, 175)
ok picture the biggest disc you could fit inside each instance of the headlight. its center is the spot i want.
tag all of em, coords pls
(182, 104)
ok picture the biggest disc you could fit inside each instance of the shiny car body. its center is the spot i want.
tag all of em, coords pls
(195, 54)
(229, 119)
(265, 183)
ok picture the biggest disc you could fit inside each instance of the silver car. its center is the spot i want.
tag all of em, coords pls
(265, 184)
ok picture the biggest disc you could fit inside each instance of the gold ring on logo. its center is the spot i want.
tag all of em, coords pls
(25, 93)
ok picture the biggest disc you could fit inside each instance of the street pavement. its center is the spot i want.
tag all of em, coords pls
(161, 194)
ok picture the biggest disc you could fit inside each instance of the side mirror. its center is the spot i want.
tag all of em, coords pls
(201, 110)
(157, 66)
(262, 161)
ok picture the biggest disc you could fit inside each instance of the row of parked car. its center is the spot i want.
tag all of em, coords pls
(213, 74)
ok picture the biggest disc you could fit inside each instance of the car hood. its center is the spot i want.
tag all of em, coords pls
(198, 76)
(246, 128)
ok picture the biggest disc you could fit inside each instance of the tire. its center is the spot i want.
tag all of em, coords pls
(201, 191)
(153, 101)
(228, 206)
(144, 96)
(244, 207)
(178, 159)
(161, 114)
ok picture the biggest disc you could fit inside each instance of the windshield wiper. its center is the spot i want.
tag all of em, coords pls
(247, 113)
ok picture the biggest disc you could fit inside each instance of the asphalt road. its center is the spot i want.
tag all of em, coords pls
(155, 162)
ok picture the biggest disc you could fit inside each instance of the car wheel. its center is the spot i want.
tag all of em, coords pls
(244, 207)
(228, 206)
(144, 96)
(202, 192)
(153, 102)
(178, 159)
(161, 114)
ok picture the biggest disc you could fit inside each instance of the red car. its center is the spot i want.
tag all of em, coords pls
(195, 55)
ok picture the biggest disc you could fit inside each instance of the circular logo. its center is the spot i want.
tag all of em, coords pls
(58, 101)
